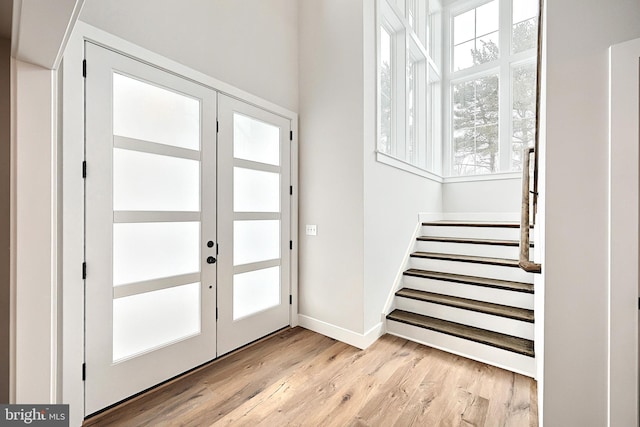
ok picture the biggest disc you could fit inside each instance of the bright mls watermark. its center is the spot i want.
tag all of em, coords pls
(34, 415)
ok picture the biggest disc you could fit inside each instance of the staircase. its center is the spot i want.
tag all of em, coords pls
(464, 293)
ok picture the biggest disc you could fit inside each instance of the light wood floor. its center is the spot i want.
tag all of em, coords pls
(300, 378)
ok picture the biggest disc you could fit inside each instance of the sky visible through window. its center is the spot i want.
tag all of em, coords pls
(471, 31)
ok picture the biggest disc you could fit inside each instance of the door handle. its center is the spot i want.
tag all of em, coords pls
(211, 260)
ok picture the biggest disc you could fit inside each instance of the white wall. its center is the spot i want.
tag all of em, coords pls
(486, 196)
(331, 163)
(579, 33)
(250, 44)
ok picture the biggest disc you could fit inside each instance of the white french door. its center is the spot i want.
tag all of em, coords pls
(187, 228)
(150, 215)
(254, 223)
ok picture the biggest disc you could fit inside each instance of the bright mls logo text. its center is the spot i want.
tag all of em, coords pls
(36, 415)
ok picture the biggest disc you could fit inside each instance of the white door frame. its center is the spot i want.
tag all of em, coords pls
(72, 313)
(624, 137)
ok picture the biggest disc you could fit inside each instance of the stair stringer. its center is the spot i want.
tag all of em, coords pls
(406, 260)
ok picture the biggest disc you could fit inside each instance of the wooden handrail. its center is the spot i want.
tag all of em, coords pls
(538, 98)
(525, 225)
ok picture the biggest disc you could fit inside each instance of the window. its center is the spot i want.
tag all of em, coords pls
(409, 50)
(491, 81)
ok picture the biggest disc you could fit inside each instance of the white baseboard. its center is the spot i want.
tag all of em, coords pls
(361, 341)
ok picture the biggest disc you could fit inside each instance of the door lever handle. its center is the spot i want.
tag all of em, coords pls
(211, 260)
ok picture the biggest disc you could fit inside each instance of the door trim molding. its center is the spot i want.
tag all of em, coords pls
(72, 155)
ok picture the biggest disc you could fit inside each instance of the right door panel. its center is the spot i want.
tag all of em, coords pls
(254, 220)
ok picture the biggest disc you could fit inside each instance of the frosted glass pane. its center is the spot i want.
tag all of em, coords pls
(255, 140)
(151, 113)
(255, 241)
(151, 182)
(146, 321)
(144, 251)
(255, 291)
(255, 191)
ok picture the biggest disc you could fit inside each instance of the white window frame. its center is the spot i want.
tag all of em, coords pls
(407, 42)
(503, 67)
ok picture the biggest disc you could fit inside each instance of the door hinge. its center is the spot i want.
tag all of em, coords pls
(84, 270)
(217, 248)
(84, 168)
(217, 126)
(291, 190)
(290, 299)
(216, 313)
(638, 303)
(84, 68)
(290, 244)
(84, 371)
(290, 135)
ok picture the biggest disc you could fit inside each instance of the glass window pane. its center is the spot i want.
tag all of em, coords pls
(151, 113)
(255, 291)
(464, 27)
(145, 251)
(525, 35)
(523, 111)
(386, 92)
(524, 9)
(486, 49)
(463, 55)
(475, 126)
(255, 191)
(255, 241)
(487, 18)
(255, 140)
(141, 182)
(412, 113)
(435, 36)
(147, 321)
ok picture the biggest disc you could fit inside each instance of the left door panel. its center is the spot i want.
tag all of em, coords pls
(150, 203)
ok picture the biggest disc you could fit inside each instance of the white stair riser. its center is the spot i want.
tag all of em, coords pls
(463, 290)
(492, 251)
(514, 274)
(483, 353)
(503, 325)
(497, 233)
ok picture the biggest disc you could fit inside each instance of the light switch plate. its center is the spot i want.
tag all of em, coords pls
(312, 230)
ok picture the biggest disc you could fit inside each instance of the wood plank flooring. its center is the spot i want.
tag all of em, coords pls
(301, 378)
